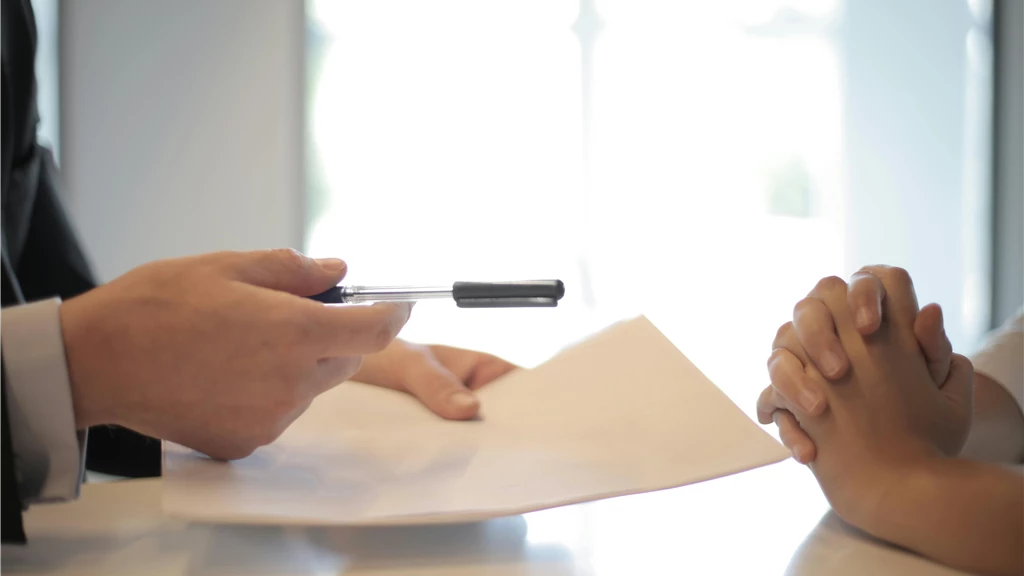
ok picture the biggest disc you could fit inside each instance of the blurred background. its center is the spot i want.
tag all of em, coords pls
(703, 163)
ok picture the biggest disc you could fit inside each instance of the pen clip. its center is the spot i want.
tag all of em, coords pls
(506, 303)
(531, 293)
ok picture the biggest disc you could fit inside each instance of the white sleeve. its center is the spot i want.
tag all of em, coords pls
(49, 454)
(1001, 358)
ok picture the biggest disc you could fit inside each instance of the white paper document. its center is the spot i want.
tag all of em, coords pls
(622, 413)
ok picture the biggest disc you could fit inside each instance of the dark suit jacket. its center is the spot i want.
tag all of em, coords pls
(41, 255)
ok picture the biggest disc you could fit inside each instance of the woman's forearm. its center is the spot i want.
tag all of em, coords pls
(997, 430)
(963, 513)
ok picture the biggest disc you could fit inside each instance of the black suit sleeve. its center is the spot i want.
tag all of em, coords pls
(53, 264)
(42, 257)
(51, 261)
(12, 529)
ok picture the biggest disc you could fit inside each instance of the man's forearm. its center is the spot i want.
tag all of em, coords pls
(963, 513)
(997, 430)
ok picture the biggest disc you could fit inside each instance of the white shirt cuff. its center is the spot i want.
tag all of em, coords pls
(49, 454)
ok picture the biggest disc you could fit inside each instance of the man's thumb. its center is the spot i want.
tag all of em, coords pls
(290, 271)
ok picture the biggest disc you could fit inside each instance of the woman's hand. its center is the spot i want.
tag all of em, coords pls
(811, 340)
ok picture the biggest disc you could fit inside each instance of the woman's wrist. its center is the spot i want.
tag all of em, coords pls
(889, 499)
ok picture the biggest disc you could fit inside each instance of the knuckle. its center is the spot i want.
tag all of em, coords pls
(351, 367)
(778, 353)
(386, 332)
(861, 283)
(898, 276)
(801, 306)
(830, 284)
(290, 257)
(267, 435)
(339, 369)
(782, 334)
(874, 269)
(383, 336)
(810, 316)
(869, 272)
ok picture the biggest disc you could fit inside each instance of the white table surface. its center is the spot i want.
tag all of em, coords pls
(735, 525)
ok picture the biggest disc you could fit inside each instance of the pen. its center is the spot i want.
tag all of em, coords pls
(521, 294)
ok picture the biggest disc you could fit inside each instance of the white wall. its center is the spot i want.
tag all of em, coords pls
(48, 73)
(1009, 173)
(916, 136)
(182, 126)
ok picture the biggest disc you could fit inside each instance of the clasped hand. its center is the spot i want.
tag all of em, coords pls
(864, 385)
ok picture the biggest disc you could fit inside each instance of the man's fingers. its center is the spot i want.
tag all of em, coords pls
(791, 382)
(931, 336)
(442, 392)
(794, 437)
(286, 270)
(865, 295)
(816, 332)
(348, 330)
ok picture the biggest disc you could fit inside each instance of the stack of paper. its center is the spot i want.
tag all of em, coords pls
(622, 413)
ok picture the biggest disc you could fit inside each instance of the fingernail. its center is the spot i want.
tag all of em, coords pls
(331, 264)
(463, 401)
(831, 363)
(863, 318)
(810, 401)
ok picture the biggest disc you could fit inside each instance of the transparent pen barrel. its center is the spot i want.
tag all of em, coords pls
(360, 294)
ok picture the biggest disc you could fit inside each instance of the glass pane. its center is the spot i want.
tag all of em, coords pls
(446, 136)
(703, 163)
(700, 162)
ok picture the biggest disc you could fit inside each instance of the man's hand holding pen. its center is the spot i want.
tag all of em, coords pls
(221, 352)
